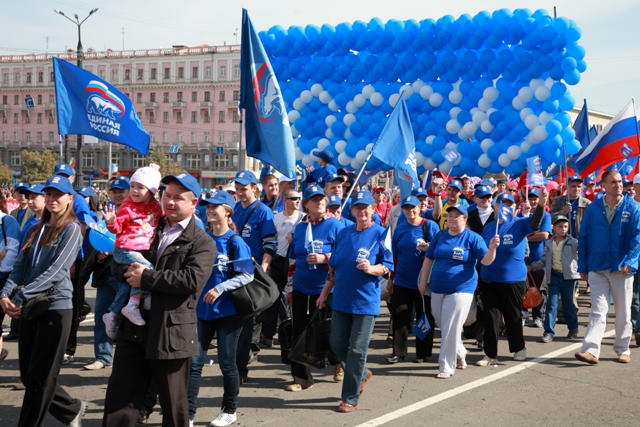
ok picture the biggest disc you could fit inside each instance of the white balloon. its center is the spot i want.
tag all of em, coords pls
(518, 103)
(294, 132)
(359, 100)
(546, 117)
(406, 91)
(486, 126)
(514, 152)
(306, 96)
(293, 116)
(316, 89)
(453, 126)
(329, 120)
(307, 160)
(369, 147)
(355, 165)
(393, 99)
(453, 113)
(470, 128)
(351, 107)
(540, 133)
(491, 94)
(325, 97)
(323, 143)
(298, 104)
(543, 93)
(368, 90)
(504, 160)
(531, 121)
(340, 146)
(484, 105)
(376, 99)
(361, 156)
(349, 119)
(328, 133)
(525, 112)
(425, 92)
(419, 158)
(445, 167)
(478, 117)
(429, 164)
(343, 159)
(333, 106)
(524, 146)
(455, 96)
(535, 84)
(549, 82)
(531, 139)
(462, 134)
(474, 110)
(484, 160)
(429, 139)
(313, 157)
(456, 85)
(486, 144)
(490, 111)
(417, 85)
(299, 153)
(435, 100)
(348, 134)
(525, 94)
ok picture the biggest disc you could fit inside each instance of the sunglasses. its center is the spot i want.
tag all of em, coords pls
(485, 197)
(511, 190)
(295, 199)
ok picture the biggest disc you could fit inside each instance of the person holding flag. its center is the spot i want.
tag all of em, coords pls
(361, 255)
(454, 189)
(504, 281)
(311, 248)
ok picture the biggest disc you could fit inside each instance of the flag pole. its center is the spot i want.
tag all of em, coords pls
(241, 160)
(357, 179)
(498, 220)
(633, 101)
(566, 179)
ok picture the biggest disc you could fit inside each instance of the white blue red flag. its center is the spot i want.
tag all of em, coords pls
(451, 157)
(505, 213)
(534, 172)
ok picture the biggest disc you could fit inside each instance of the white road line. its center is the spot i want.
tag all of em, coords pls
(470, 386)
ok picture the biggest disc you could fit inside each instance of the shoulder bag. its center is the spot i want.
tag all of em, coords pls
(532, 296)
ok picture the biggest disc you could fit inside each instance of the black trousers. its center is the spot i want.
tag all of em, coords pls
(505, 299)
(269, 317)
(78, 299)
(403, 303)
(129, 383)
(302, 309)
(41, 347)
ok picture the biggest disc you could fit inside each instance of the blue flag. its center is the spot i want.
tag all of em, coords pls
(267, 124)
(87, 105)
(422, 328)
(308, 243)
(534, 172)
(366, 175)
(505, 213)
(396, 147)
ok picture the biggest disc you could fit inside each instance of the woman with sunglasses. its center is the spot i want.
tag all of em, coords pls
(307, 275)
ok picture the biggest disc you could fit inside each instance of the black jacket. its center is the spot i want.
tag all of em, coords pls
(474, 223)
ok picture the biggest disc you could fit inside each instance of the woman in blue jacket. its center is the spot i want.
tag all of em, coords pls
(216, 310)
(307, 275)
(44, 262)
(358, 261)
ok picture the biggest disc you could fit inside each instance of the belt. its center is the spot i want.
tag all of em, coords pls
(556, 271)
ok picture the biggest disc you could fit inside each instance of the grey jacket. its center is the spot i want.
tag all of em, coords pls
(558, 205)
(569, 260)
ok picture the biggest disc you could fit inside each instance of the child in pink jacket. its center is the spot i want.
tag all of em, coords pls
(134, 225)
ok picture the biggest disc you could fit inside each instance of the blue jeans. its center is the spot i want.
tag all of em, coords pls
(565, 288)
(106, 295)
(227, 330)
(635, 303)
(350, 336)
(127, 257)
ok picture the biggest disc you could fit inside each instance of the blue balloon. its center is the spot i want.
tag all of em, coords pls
(351, 149)
(102, 241)
(553, 127)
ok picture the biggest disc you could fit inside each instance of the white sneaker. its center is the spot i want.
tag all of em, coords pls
(486, 361)
(223, 419)
(190, 423)
(521, 355)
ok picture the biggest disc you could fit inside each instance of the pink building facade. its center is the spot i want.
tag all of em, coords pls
(185, 97)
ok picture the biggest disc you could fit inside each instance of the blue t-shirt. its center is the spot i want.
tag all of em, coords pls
(310, 282)
(224, 305)
(80, 208)
(27, 226)
(408, 258)
(201, 213)
(259, 226)
(537, 248)
(356, 292)
(455, 257)
(346, 212)
(345, 222)
(509, 266)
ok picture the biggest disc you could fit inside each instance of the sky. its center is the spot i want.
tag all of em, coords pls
(609, 28)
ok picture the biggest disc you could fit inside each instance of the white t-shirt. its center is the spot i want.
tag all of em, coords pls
(284, 226)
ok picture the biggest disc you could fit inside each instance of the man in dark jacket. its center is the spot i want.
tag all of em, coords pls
(183, 256)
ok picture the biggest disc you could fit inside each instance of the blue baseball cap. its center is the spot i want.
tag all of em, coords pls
(575, 178)
(35, 189)
(419, 192)
(121, 183)
(60, 183)
(245, 177)
(485, 183)
(313, 190)
(362, 197)
(187, 180)
(482, 191)
(333, 177)
(220, 198)
(63, 169)
(86, 192)
(21, 187)
(460, 208)
(505, 196)
(533, 192)
(456, 184)
(334, 201)
(560, 218)
(325, 155)
(410, 201)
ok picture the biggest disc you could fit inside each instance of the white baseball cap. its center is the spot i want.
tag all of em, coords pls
(636, 179)
(285, 179)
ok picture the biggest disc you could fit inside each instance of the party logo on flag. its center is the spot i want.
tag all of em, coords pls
(505, 213)
(534, 168)
(626, 151)
(422, 328)
(451, 157)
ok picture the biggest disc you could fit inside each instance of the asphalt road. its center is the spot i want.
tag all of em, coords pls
(550, 389)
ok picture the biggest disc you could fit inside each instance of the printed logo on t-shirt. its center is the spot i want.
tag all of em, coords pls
(363, 253)
(625, 216)
(507, 239)
(222, 261)
(246, 231)
(458, 253)
(318, 246)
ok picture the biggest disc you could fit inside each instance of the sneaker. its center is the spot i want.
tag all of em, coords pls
(297, 387)
(537, 323)
(266, 342)
(586, 357)
(96, 366)
(521, 355)
(190, 423)
(637, 337)
(486, 361)
(132, 312)
(573, 334)
(67, 358)
(253, 358)
(223, 419)
(338, 373)
(390, 340)
(3, 354)
(77, 421)
(546, 338)
(624, 358)
(111, 324)
(143, 416)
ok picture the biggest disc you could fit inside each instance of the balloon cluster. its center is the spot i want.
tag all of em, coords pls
(492, 87)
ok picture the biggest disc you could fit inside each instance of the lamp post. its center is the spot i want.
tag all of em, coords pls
(79, 181)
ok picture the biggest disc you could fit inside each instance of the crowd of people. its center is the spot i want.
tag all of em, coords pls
(460, 254)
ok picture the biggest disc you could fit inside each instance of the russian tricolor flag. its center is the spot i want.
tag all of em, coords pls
(607, 147)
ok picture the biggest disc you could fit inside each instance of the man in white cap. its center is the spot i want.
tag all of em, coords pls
(284, 183)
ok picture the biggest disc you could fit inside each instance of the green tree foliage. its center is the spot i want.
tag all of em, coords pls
(38, 166)
(6, 174)
(167, 165)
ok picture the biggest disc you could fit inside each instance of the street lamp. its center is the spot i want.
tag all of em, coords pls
(79, 181)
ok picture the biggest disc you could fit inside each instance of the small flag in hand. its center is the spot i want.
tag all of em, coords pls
(534, 169)
(505, 213)
(451, 157)
(308, 243)
(422, 328)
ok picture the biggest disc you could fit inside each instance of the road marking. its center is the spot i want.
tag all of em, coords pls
(470, 386)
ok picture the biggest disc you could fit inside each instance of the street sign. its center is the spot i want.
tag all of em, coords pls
(173, 149)
(29, 101)
(219, 150)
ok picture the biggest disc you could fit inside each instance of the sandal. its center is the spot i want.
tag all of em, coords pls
(443, 376)
(462, 363)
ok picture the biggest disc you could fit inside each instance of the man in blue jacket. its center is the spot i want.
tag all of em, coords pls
(608, 249)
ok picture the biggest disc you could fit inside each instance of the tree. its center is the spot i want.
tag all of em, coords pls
(167, 165)
(6, 174)
(38, 166)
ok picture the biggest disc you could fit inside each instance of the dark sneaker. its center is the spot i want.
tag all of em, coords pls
(573, 334)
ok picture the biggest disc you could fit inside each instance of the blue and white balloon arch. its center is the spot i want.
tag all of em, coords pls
(492, 87)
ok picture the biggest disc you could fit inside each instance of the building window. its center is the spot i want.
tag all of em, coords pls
(194, 96)
(194, 74)
(235, 137)
(102, 74)
(139, 97)
(16, 118)
(236, 95)
(179, 137)
(165, 97)
(39, 99)
(153, 74)
(5, 99)
(207, 117)
(152, 137)
(114, 75)
(16, 159)
(16, 99)
(181, 72)
(152, 117)
(40, 77)
(165, 117)
(5, 78)
(50, 136)
(50, 99)
(39, 137)
(127, 74)
(207, 96)
(221, 161)
(221, 137)
(138, 161)
(236, 71)
(16, 137)
(223, 71)
(167, 73)
(165, 137)
(51, 76)
(152, 97)
(221, 117)
(236, 116)
(207, 71)
(179, 96)
(193, 161)
(39, 120)
(50, 118)
(194, 117)
(16, 78)
(27, 117)
(193, 137)
(139, 114)
(28, 77)
(115, 158)
(140, 73)
(179, 117)
(27, 136)
(4, 118)
(221, 96)
(207, 137)
(88, 159)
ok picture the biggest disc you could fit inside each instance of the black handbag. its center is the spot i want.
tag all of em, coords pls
(257, 295)
(36, 307)
(299, 354)
(318, 331)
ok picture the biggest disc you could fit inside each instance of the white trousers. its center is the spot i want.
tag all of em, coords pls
(450, 312)
(621, 288)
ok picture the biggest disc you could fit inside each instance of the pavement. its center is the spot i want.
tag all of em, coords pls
(551, 388)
